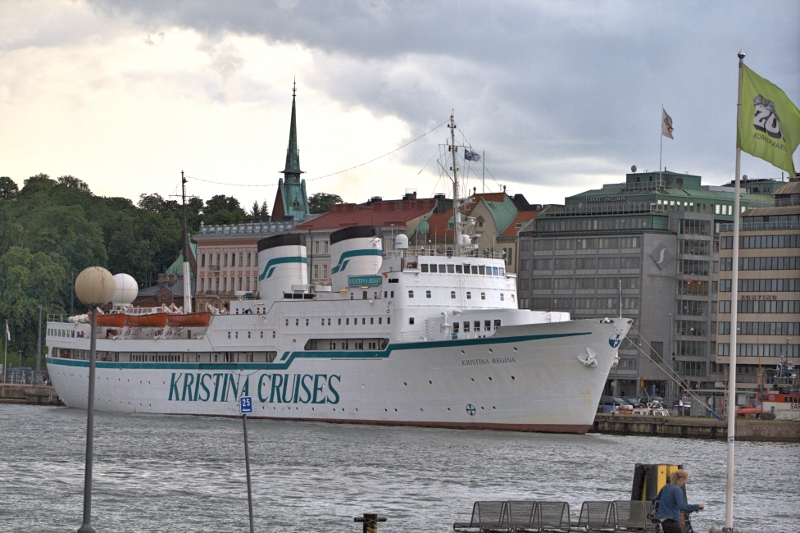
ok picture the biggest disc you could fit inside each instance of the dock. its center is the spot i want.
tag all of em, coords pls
(29, 394)
(692, 427)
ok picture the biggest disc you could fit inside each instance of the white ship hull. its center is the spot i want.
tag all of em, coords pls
(530, 377)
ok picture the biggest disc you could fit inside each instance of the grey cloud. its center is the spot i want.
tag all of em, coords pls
(535, 84)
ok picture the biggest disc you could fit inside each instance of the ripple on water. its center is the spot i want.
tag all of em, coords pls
(159, 473)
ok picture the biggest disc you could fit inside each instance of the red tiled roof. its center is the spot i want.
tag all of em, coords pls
(489, 196)
(397, 212)
(521, 218)
(437, 224)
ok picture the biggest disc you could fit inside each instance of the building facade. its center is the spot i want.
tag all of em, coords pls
(646, 249)
(768, 303)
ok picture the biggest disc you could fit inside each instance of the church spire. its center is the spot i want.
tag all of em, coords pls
(292, 154)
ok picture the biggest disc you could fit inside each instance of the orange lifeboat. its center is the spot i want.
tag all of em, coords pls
(155, 320)
(195, 320)
(115, 320)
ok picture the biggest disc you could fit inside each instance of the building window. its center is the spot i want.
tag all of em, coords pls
(248, 258)
(247, 283)
(316, 247)
(203, 260)
(324, 271)
(316, 272)
(225, 259)
(240, 283)
(224, 284)
(325, 247)
(233, 259)
(202, 284)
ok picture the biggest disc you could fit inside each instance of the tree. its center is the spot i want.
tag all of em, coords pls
(29, 280)
(8, 188)
(37, 184)
(221, 209)
(72, 181)
(255, 211)
(321, 202)
(264, 209)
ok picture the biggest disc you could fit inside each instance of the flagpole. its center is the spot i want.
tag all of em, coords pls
(661, 145)
(5, 360)
(734, 317)
(483, 173)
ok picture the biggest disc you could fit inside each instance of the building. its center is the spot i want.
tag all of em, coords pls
(647, 249)
(768, 303)
(227, 257)
(168, 289)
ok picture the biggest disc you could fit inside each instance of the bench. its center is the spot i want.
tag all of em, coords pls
(597, 517)
(486, 516)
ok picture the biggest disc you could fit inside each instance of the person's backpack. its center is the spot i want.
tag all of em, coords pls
(652, 513)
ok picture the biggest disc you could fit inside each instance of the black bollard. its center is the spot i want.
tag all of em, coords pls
(370, 521)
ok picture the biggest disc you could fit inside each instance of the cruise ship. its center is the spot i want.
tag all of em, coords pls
(410, 337)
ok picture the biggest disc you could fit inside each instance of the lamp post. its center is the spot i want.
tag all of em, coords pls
(94, 287)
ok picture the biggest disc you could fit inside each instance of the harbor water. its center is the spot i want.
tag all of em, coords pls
(175, 474)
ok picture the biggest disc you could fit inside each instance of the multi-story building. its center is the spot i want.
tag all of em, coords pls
(227, 257)
(768, 303)
(646, 249)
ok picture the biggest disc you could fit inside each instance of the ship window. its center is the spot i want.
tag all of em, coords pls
(385, 294)
(513, 298)
(371, 320)
(388, 320)
(306, 322)
(411, 320)
(477, 325)
(481, 270)
(453, 295)
(380, 320)
(322, 322)
(423, 268)
(455, 327)
(450, 269)
(502, 297)
(296, 321)
(262, 334)
(287, 321)
(469, 295)
(410, 294)
(248, 334)
(363, 295)
(273, 334)
(458, 269)
(497, 323)
(483, 296)
(474, 269)
(347, 321)
(340, 322)
(466, 327)
(392, 294)
(229, 334)
(466, 269)
(427, 294)
(487, 325)
(393, 280)
(433, 268)
(237, 334)
(363, 321)
(329, 321)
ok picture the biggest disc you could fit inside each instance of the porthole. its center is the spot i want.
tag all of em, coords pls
(490, 378)
(491, 351)
(515, 348)
(462, 352)
(430, 382)
(395, 409)
(512, 378)
(406, 384)
(386, 410)
(472, 379)
(482, 408)
(493, 407)
(420, 408)
(448, 408)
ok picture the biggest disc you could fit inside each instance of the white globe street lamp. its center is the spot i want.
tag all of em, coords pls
(94, 287)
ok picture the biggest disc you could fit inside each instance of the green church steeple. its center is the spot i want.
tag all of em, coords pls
(291, 200)
(292, 154)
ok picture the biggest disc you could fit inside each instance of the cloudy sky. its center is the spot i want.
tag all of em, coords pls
(561, 96)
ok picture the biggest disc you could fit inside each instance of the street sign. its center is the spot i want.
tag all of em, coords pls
(246, 404)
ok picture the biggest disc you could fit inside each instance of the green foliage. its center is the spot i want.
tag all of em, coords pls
(8, 188)
(30, 280)
(221, 209)
(321, 202)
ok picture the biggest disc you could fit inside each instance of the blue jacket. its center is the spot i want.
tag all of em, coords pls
(672, 503)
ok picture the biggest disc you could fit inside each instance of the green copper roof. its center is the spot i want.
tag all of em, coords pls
(503, 213)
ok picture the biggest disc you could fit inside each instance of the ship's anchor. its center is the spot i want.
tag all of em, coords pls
(590, 360)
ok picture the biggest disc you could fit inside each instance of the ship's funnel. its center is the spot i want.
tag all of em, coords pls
(282, 263)
(355, 252)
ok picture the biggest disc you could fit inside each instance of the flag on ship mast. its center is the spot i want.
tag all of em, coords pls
(666, 124)
(770, 129)
(469, 155)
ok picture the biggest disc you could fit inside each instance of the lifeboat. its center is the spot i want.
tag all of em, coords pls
(115, 320)
(154, 320)
(196, 320)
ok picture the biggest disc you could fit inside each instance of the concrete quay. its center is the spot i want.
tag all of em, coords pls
(696, 427)
(29, 394)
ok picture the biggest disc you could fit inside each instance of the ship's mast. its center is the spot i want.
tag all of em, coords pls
(187, 295)
(456, 198)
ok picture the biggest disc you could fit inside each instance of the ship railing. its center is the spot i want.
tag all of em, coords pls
(437, 251)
